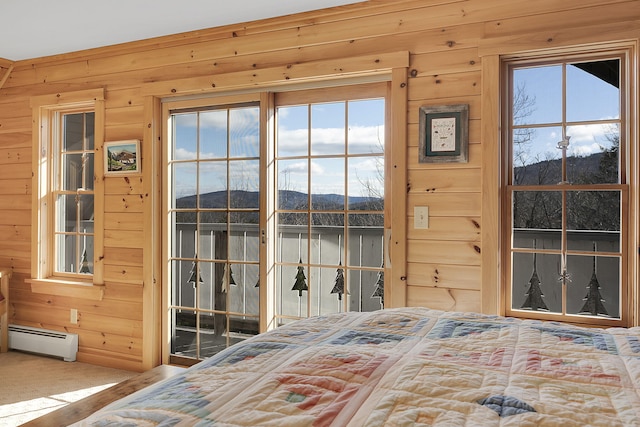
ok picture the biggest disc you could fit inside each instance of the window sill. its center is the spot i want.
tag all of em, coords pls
(64, 288)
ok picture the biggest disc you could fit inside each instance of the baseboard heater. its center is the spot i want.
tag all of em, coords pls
(43, 341)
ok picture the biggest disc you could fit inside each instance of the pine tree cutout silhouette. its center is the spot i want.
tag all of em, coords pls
(379, 290)
(534, 294)
(593, 300)
(338, 287)
(227, 278)
(193, 272)
(301, 280)
(84, 269)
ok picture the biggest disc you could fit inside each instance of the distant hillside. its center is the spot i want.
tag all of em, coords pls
(550, 171)
(286, 200)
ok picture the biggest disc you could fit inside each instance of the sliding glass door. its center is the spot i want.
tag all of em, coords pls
(214, 214)
(241, 256)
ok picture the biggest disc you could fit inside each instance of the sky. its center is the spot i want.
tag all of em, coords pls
(588, 98)
(364, 133)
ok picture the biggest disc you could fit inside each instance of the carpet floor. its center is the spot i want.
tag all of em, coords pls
(31, 385)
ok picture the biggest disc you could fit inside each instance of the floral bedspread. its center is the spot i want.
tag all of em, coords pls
(403, 367)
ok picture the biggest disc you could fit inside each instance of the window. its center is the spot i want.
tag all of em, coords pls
(330, 203)
(567, 189)
(214, 165)
(243, 255)
(64, 231)
(72, 191)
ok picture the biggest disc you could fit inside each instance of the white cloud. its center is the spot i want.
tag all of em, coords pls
(182, 154)
(362, 139)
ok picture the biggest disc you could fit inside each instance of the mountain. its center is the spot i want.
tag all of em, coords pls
(286, 200)
(581, 169)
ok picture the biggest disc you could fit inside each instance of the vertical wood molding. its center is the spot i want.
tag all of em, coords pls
(490, 212)
(98, 211)
(152, 295)
(267, 213)
(37, 127)
(633, 162)
(396, 168)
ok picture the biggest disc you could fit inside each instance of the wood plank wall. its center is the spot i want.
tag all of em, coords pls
(447, 41)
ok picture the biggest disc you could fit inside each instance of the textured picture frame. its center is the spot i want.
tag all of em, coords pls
(122, 157)
(444, 134)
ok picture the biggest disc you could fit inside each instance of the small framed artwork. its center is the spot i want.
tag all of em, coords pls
(122, 157)
(444, 134)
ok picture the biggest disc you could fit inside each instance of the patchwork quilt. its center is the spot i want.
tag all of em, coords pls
(403, 367)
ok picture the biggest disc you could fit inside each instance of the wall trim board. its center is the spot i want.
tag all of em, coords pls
(284, 75)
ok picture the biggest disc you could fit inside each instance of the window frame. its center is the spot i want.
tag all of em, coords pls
(266, 100)
(317, 97)
(626, 173)
(47, 111)
(57, 190)
(392, 67)
(169, 109)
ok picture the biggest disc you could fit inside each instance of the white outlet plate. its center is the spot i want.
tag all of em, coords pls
(74, 316)
(421, 217)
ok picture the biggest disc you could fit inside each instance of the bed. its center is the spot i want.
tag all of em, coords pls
(4, 310)
(403, 367)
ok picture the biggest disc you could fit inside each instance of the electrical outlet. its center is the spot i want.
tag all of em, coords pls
(421, 217)
(74, 316)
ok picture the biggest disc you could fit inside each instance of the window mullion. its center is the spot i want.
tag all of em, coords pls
(577, 97)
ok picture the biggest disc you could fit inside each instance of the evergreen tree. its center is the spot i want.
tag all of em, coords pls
(534, 294)
(227, 278)
(193, 272)
(301, 281)
(338, 287)
(593, 300)
(85, 264)
(379, 290)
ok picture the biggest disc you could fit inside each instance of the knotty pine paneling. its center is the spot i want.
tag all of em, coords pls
(123, 221)
(446, 204)
(16, 140)
(123, 132)
(15, 232)
(414, 108)
(446, 62)
(15, 155)
(447, 299)
(14, 170)
(111, 343)
(447, 276)
(125, 256)
(442, 179)
(443, 252)
(124, 116)
(580, 18)
(123, 203)
(123, 292)
(447, 41)
(123, 309)
(127, 184)
(464, 229)
(123, 238)
(438, 86)
(15, 124)
(16, 186)
(123, 273)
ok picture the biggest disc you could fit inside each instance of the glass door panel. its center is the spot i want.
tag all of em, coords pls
(214, 230)
(330, 205)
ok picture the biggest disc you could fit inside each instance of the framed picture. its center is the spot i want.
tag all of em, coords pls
(122, 157)
(444, 134)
